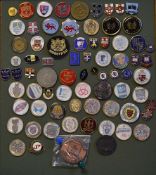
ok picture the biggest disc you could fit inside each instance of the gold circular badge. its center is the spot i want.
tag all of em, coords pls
(91, 27)
(75, 105)
(19, 44)
(12, 11)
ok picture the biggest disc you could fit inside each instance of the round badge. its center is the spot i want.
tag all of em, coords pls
(122, 90)
(111, 25)
(106, 145)
(114, 74)
(20, 107)
(126, 74)
(106, 127)
(57, 111)
(82, 90)
(111, 108)
(16, 89)
(26, 10)
(102, 76)
(141, 132)
(138, 44)
(44, 9)
(75, 105)
(17, 147)
(88, 125)
(123, 132)
(48, 93)
(46, 77)
(37, 43)
(19, 44)
(92, 106)
(70, 27)
(132, 25)
(17, 27)
(50, 26)
(36, 147)
(12, 11)
(15, 61)
(140, 94)
(79, 10)
(15, 125)
(58, 46)
(33, 129)
(103, 90)
(70, 124)
(34, 91)
(103, 58)
(63, 93)
(120, 60)
(142, 76)
(38, 108)
(91, 27)
(62, 9)
(67, 77)
(120, 43)
(80, 44)
(51, 130)
(129, 113)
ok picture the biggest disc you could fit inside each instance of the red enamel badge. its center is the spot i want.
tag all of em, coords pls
(62, 9)
(26, 10)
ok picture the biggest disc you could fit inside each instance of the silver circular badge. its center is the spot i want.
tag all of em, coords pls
(15, 61)
(82, 90)
(20, 107)
(38, 108)
(111, 108)
(140, 94)
(64, 93)
(51, 130)
(17, 147)
(129, 113)
(92, 106)
(37, 43)
(15, 125)
(34, 91)
(16, 89)
(103, 58)
(123, 132)
(122, 90)
(107, 127)
(17, 27)
(120, 43)
(44, 9)
(33, 129)
(142, 76)
(70, 124)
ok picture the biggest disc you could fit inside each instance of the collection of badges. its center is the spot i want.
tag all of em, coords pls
(72, 150)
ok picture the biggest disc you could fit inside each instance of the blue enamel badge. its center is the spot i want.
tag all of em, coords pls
(80, 44)
(74, 59)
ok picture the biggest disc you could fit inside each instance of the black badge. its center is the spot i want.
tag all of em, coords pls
(106, 145)
(58, 46)
(132, 25)
(96, 10)
(31, 59)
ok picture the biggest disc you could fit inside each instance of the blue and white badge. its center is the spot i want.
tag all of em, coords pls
(70, 27)
(50, 26)
(122, 90)
(80, 44)
(120, 60)
(132, 8)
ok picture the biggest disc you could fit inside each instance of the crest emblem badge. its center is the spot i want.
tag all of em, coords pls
(104, 42)
(44, 9)
(130, 113)
(29, 72)
(93, 42)
(33, 28)
(119, 8)
(132, 8)
(80, 43)
(109, 9)
(87, 56)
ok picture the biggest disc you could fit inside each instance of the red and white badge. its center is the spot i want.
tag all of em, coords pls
(120, 8)
(82, 90)
(109, 9)
(32, 28)
(26, 10)
(104, 42)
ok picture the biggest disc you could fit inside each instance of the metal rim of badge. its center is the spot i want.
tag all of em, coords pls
(70, 124)
(38, 108)
(20, 106)
(37, 43)
(19, 44)
(140, 94)
(142, 76)
(120, 60)
(17, 29)
(75, 105)
(123, 132)
(122, 90)
(111, 108)
(46, 9)
(141, 132)
(82, 90)
(107, 127)
(15, 61)
(34, 91)
(120, 43)
(129, 113)
(16, 89)
(103, 58)
(17, 147)
(88, 27)
(33, 129)
(63, 93)
(92, 106)
(12, 11)
(51, 130)
(15, 125)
